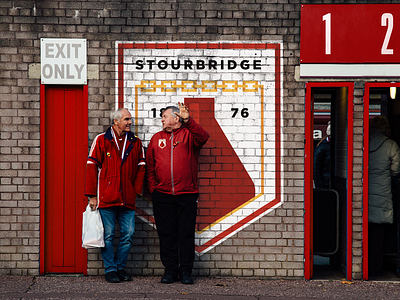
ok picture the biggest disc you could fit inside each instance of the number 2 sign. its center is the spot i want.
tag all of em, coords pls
(350, 34)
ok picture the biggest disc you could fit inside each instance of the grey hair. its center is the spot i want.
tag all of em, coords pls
(174, 110)
(116, 115)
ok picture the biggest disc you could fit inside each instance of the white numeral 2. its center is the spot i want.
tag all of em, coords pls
(389, 18)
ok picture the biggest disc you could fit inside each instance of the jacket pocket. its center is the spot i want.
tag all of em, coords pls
(130, 188)
(110, 190)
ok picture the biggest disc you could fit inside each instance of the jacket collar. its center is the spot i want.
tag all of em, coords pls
(174, 131)
(131, 136)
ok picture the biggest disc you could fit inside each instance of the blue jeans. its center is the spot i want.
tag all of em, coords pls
(126, 221)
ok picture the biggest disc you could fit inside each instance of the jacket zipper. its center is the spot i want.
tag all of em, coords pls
(122, 161)
(120, 181)
(121, 189)
(172, 163)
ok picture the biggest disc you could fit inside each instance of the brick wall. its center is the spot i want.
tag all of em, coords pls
(270, 247)
(357, 180)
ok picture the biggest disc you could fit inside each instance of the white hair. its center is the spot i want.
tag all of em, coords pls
(116, 115)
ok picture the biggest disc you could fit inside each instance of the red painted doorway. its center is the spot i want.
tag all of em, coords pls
(342, 174)
(64, 146)
(379, 102)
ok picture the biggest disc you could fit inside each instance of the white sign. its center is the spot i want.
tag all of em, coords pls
(63, 61)
(233, 90)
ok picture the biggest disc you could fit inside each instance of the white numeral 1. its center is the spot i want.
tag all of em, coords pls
(389, 18)
(327, 18)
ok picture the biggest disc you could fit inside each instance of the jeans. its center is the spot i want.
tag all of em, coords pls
(126, 221)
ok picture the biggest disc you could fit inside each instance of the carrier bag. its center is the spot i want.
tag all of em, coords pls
(92, 229)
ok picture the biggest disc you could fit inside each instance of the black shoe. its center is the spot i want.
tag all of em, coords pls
(186, 277)
(123, 276)
(170, 276)
(112, 277)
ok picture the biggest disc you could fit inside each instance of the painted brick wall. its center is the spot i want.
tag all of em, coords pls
(272, 246)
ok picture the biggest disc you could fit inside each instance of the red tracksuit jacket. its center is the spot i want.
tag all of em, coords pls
(115, 181)
(172, 159)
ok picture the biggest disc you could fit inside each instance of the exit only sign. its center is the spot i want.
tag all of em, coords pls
(63, 61)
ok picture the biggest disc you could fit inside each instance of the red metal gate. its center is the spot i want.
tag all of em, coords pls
(64, 146)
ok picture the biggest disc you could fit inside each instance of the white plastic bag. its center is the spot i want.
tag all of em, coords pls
(92, 229)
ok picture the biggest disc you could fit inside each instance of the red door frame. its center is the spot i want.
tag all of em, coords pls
(368, 85)
(308, 170)
(43, 177)
(308, 186)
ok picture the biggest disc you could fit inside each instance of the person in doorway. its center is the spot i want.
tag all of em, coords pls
(384, 162)
(172, 159)
(322, 161)
(114, 176)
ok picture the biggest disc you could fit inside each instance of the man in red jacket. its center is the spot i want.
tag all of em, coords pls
(172, 178)
(114, 176)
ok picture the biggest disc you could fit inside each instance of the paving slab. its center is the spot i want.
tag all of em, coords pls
(95, 287)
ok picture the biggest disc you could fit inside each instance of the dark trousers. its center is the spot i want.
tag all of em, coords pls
(175, 217)
(376, 238)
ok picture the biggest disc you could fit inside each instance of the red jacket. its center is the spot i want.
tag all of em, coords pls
(172, 159)
(115, 181)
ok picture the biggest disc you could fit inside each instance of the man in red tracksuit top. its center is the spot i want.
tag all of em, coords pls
(172, 178)
(114, 176)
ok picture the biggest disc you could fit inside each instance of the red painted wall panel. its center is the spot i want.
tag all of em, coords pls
(224, 183)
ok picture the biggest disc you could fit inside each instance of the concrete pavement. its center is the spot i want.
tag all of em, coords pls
(95, 287)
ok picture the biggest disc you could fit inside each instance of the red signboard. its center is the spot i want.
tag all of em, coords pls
(356, 33)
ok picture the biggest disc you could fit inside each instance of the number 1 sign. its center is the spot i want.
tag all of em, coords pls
(361, 37)
(234, 91)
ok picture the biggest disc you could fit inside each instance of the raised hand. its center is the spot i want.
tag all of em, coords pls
(183, 112)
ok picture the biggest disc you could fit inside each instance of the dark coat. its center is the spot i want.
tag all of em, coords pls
(384, 162)
(322, 165)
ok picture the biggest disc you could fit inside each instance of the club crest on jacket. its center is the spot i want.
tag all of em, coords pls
(162, 143)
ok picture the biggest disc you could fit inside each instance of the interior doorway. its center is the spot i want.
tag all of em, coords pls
(64, 146)
(328, 189)
(380, 99)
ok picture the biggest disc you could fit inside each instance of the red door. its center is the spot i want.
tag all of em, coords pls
(308, 176)
(64, 144)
